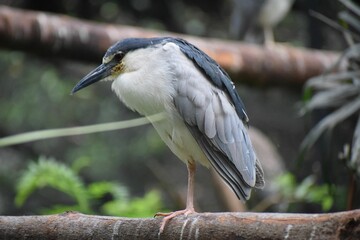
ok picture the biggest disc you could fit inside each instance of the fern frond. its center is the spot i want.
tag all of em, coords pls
(48, 172)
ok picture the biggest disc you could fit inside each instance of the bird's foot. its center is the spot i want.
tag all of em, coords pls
(169, 216)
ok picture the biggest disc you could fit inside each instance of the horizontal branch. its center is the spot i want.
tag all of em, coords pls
(63, 36)
(72, 225)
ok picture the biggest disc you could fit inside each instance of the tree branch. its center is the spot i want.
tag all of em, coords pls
(63, 36)
(72, 225)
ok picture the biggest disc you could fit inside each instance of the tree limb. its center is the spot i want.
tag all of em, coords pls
(63, 36)
(72, 225)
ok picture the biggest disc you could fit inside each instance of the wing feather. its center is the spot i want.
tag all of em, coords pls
(209, 121)
(221, 135)
(224, 168)
(214, 113)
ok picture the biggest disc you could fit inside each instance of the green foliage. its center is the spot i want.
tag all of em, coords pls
(137, 207)
(338, 92)
(306, 97)
(287, 184)
(49, 173)
(43, 104)
(305, 191)
(99, 189)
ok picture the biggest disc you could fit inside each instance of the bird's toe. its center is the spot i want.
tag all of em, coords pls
(169, 216)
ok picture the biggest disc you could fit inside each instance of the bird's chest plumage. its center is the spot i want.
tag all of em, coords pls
(146, 96)
(156, 95)
(171, 128)
(148, 86)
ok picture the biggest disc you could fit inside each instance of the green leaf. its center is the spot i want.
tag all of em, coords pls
(99, 189)
(327, 203)
(48, 172)
(286, 183)
(137, 207)
(304, 187)
(58, 208)
(305, 191)
(307, 94)
(80, 163)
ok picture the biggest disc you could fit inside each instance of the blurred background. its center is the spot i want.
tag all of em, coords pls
(131, 172)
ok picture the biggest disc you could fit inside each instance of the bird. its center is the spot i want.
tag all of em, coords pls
(204, 119)
(264, 13)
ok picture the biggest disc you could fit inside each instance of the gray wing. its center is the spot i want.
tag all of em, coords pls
(214, 72)
(216, 126)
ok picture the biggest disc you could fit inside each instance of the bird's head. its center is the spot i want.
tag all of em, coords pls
(113, 63)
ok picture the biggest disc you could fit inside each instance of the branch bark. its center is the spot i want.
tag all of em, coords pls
(63, 36)
(72, 225)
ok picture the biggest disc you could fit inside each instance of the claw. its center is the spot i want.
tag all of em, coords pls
(169, 216)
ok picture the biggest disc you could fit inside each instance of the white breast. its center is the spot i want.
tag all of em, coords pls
(148, 86)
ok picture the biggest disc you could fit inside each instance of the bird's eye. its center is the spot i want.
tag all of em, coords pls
(118, 56)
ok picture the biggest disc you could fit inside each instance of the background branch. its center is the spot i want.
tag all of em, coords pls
(63, 36)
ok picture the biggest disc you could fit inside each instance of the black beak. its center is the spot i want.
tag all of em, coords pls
(94, 76)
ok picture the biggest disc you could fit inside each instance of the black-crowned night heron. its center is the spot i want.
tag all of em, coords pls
(264, 13)
(204, 117)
